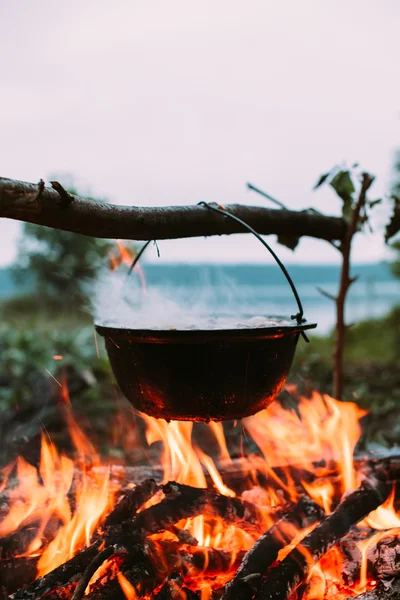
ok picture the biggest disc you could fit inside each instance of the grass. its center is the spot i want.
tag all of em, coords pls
(376, 341)
(42, 314)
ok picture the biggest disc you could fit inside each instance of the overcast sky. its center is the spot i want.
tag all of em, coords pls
(158, 102)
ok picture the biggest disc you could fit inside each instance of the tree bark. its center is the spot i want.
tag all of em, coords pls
(54, 207)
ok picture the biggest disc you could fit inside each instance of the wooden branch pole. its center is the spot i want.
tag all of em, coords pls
(54, 207)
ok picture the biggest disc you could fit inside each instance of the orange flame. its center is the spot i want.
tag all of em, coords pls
(319, 438)
(324, 429)
(125, 255)
(385, 516)
(41, 497)
(127, 587)
(93, 498)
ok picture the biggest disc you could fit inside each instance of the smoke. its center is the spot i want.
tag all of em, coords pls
(124, 302)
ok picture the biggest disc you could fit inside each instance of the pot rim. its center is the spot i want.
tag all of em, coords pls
(207, 335)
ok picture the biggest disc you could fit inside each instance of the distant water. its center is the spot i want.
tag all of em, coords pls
(263, 290)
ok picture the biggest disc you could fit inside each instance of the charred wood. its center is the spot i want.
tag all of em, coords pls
(17, 572)
(385, 469)
(384, 556)
(171, 589)
(131, 501)
(59, 577)
(288, 574)
(351, 560)
(257, 561)
(183, 535)
(181, 503)
(143, 568)
(388, 590)
(235, 473)
(90, 570)
(184, 502)
(18, 542)
(213, 504)
(192, 560)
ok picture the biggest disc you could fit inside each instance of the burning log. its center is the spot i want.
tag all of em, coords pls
(62, 576)
(172, 588)
(17, 572)
(233, 473)
(351, 560)
(213, 504)
(136, 543)
(192, 560)
(91, 570)
(17, 543)
(389, 590)
(384, 556)
(150, 565)
(284, 578)
(131, 501)
(257, 561)
(181, 502)
(184, 502)
(183, 535)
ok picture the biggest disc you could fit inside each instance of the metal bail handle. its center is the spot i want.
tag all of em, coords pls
(299, 316)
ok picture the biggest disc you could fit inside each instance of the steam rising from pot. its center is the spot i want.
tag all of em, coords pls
(121, 301)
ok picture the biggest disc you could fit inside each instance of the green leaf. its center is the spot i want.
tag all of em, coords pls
(290, 241)
(322, 180)
(344, 187)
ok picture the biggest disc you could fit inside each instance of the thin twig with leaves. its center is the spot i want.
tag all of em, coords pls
(356, 215)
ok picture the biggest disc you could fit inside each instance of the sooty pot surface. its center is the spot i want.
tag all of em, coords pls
(201, 375)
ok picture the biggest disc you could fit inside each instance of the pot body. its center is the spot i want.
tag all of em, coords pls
(201, 375)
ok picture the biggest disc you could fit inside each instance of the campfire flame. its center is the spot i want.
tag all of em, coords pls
(126, 586)
(65, 500)
(122, 255)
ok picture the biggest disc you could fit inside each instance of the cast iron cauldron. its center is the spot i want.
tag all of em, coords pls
(203, 375)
